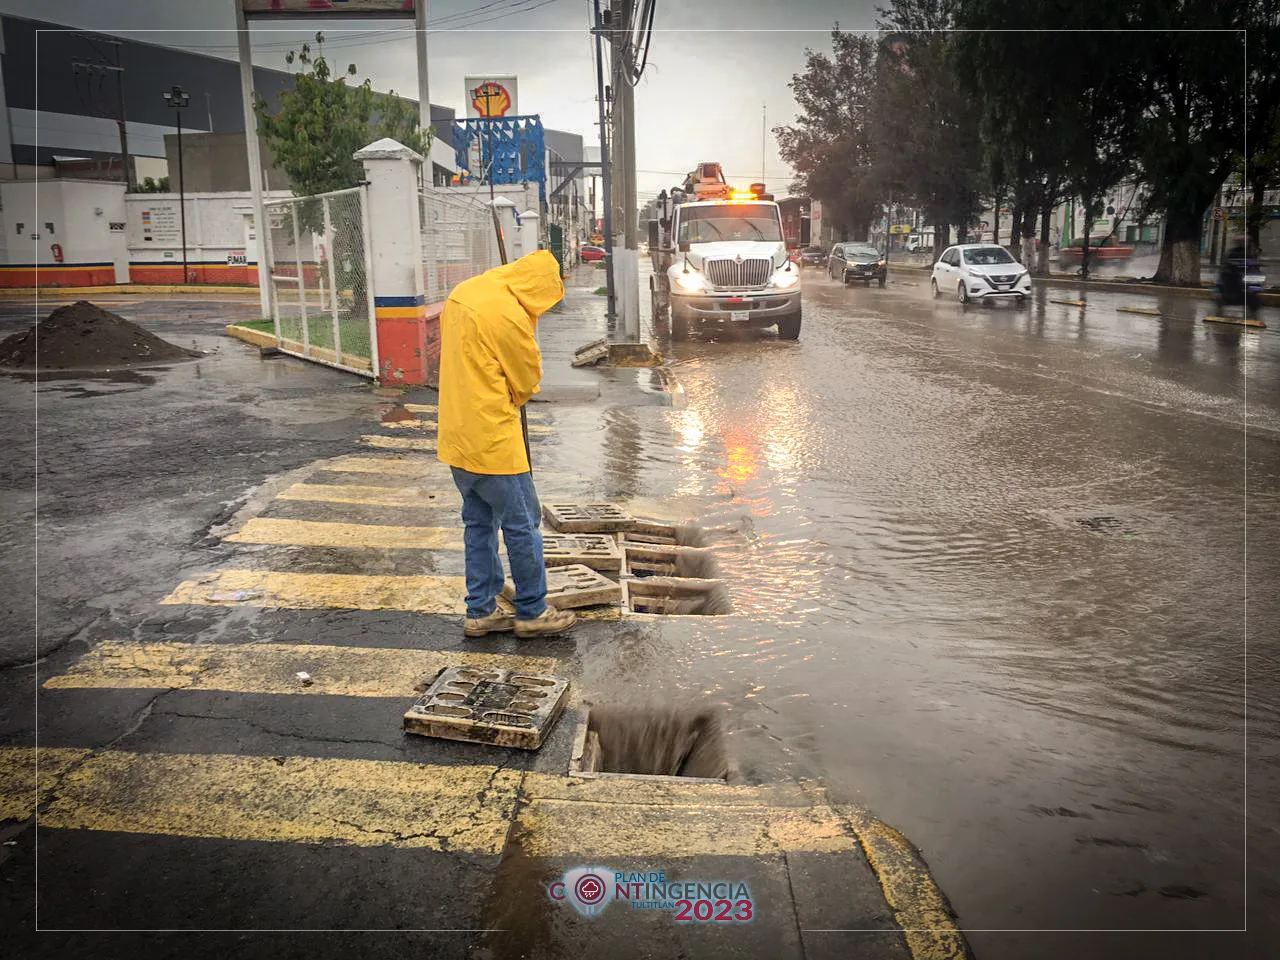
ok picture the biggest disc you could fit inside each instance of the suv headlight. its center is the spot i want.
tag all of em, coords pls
(786, 278)
(691, 281)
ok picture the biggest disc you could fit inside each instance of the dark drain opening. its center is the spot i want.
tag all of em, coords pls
(677, 596)
(655, 742)
(666, 534)
(651, 560)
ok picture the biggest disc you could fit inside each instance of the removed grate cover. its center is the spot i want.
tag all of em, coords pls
(574, 587)
(652, 742)
(482, 705)
(587, 517)
(649, 560)
(599, 551)
(678, 596)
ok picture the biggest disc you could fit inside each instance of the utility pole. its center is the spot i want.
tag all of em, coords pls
(126, 162)
(628, 260)
(764, 128)
(606, 170)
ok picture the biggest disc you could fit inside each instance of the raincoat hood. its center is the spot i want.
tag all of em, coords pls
(534, 280)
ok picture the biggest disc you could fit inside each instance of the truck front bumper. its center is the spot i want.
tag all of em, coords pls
(762, 308)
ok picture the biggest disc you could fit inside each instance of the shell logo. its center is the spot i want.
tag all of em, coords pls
(491, 99)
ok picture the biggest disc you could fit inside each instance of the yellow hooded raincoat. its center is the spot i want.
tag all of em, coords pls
(490, 364)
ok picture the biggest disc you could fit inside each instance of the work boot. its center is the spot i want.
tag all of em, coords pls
(550, 622)
(496, 622)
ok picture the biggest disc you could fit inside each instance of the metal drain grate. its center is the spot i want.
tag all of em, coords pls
(502, 707)
(599, 551)
(574, 587)
(587, 517)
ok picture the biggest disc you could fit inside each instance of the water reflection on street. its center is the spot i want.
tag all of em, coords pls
(988, 567)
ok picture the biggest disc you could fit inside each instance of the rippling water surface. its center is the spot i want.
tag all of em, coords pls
(989, 577)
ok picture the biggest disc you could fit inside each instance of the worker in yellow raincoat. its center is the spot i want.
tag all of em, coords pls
(490, 367)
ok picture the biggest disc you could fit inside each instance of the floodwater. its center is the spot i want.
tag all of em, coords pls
(990, 580)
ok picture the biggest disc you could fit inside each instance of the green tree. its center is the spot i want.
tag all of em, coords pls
(926, 150)
(323, 121)
(1191, 130)
(1262, 151)
(830, 143)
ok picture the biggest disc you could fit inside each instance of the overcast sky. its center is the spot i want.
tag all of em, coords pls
(713, 64)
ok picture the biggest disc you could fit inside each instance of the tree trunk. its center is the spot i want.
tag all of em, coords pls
(941, 234)
(1180, 252)
(1084, 244)
(1028, 234)
(1042, 261)
(1015, 229)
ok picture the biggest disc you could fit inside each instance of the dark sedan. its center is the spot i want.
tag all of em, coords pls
(857, 261)
(811, 257)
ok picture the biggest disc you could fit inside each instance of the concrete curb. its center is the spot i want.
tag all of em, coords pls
(1119, 286)
(17, 293)
(255, 338)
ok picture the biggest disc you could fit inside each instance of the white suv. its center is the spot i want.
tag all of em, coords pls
(980, 271)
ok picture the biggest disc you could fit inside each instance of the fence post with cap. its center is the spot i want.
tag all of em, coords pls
(395, 243)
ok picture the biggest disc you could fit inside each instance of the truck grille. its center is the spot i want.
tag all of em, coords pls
(736, 275)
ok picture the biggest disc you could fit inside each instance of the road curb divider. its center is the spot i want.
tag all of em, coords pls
(1151, 289)
(24, 293)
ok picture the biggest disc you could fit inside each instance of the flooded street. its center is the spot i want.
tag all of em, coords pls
(989, 579)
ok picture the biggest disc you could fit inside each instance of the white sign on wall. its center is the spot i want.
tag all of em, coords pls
(161, 224)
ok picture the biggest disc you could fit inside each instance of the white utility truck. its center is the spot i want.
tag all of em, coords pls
(719, 257)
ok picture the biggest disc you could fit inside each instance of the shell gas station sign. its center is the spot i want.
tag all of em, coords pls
(491, 98)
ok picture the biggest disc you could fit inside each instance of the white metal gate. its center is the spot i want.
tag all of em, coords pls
(321, 279)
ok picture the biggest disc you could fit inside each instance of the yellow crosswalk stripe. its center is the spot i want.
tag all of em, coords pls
(364, 803)
(18, 793)
(273, 668)
(373, 495)
(315, 591)
(359, 536)
(398, 443)
(396, 466)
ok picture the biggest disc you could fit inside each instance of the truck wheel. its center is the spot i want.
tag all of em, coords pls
(679, 326)
(883, 280)
(789, 326)
(656, 309)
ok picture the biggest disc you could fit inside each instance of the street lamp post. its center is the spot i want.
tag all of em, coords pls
(178, 99)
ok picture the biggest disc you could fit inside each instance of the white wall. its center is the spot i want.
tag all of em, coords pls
(63, 212)
(215, 225)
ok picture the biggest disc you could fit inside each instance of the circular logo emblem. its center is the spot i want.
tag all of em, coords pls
(587, 888)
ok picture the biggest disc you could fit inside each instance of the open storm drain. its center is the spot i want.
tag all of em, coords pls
(652, 742)
(677, 596)
(502, 707)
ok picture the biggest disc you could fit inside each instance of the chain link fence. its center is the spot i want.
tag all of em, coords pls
(320, 278)
(458, 239)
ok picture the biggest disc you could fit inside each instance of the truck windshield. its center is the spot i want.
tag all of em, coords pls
(730, 221)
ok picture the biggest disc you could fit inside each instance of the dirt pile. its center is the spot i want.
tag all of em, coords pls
(81, 336)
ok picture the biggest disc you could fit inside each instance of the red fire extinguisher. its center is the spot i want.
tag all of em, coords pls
(57, 252)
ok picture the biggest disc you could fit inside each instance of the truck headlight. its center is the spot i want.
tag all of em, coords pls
(786, 278)
(690, 281)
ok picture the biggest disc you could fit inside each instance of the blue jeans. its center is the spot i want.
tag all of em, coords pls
(509, 503)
